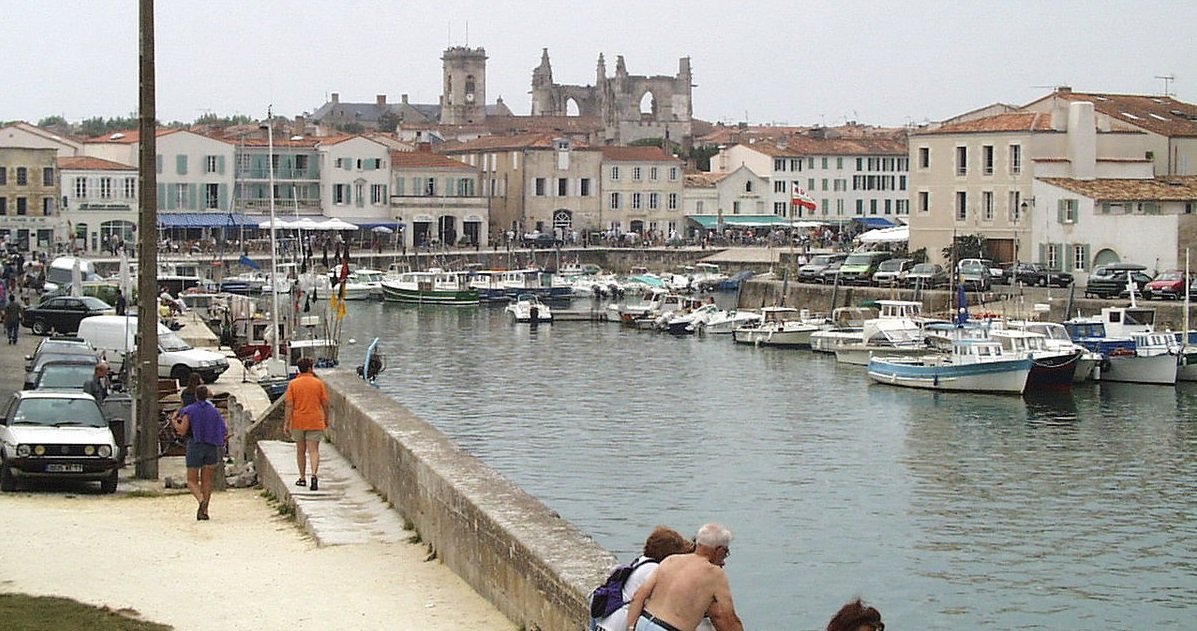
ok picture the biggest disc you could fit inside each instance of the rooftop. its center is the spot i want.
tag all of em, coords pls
(1173, 188)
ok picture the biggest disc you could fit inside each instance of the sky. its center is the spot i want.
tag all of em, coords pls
(784, 62)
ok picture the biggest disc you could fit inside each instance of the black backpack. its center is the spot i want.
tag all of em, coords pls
(608, 597)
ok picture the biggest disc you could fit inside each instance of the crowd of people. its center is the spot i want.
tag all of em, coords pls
(678, 584)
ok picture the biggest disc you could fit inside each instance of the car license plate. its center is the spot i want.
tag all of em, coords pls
(64, 468)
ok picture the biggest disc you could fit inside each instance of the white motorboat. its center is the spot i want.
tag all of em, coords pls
(972, 365)
(847, 328)
(720, 322)
(529, 308)
(896, 331)
(1131, 350)
(371, 278)
(1051, 368)
(1055, 337)
(780, 326)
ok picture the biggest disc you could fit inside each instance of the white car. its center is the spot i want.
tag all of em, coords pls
(56, 434)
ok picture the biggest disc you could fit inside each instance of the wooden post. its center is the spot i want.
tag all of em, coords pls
(147, 255)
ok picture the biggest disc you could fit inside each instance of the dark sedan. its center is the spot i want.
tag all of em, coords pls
(926, 276)
(1110, 281)
(46, 359)
(63, 313)
(1038, 275)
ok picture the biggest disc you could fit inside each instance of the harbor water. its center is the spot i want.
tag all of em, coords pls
(944, 510)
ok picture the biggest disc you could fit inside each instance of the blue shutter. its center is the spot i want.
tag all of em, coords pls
(181, 164)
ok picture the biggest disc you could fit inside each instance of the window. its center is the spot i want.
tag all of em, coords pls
(889, 206)
(22, 176)
(924, 201)
(872, 207)
(80, 187)
(539, 185)
(824, 162)
(901, 182)
(987, 205)
(614, 173)
(1053, 256)
(961, 206)
(1015, 206)
(105, 188)
(340, 193)
(3, 176)
(130, 187)
(209, 164)
(987, 160)
(860, 207)
(584, 187)
(1080, 257)
(1066, 211)
(3, 205)
(961, 160)
(748, 186)
(48, 176)
(672, 201)
(635, 201)
(180, 196)
(796, 164)
(301, 164)
(697, 205)
(900, 206)
(562, 187)
(378, 194)
(735, 208)
(211, 196)
(338, 162)
(673, 171)
(1015, 159)
(635, 174)
(810, 183)
(860, 164)
(654, 201)
(614, 201)
(47, 206)
(181, 164)
(839, 164)
(779, 164)
(810, 162)
(22, 203)
(779, 186)
(824, 183)
(652, 174)
(429, 186)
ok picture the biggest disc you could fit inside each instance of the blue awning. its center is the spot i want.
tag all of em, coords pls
(876, 222)
(201, 220)
(367, 223)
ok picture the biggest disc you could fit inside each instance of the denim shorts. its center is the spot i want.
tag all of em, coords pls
(201, 454)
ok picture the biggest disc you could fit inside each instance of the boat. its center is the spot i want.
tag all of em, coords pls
(354, 288)
(708, 277)
(972, 365)
(896, 331)
(1051, 368)
(779, 326)
(721, 322)
(847, 328)
(542, 284)
(1055, 337)
(689, 320)
(371, 278)
(1131, 350)
(529, 308)
(432, 287)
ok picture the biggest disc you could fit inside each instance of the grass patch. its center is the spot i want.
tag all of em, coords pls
(22, 612)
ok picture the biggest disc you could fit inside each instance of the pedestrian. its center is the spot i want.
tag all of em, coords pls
(122, 305)
(194, 381)
(206, 431)
(305, 419)
(12, 319)
(662, 542)
(687, 587)
(100, 385)
(855, 616)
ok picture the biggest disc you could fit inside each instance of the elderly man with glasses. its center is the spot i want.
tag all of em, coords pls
(687, 587)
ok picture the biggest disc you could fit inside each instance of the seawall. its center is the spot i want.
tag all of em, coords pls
(534, 566)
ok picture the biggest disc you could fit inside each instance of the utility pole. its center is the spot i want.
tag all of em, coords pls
(147, 255)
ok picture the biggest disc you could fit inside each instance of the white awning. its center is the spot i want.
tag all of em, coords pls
(886, 235)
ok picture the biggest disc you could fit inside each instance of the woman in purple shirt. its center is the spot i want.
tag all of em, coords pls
(205, 430)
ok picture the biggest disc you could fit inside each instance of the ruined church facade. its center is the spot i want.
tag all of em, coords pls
(631, 107)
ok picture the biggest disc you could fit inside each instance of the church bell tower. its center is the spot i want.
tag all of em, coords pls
(463, 96)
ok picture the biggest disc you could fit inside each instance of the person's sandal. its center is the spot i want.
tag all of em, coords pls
(315, 484)
(301, 482)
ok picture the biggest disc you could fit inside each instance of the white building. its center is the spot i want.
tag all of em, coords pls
(355, 176)
(99, 202)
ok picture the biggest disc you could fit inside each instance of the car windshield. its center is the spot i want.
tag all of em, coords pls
(58, 411)
(45, 358)
(858, 259)
(94, 303)
(71, 376)
(822, 259)
(891, 265)
(923, 268)
(971, 266)
(1171, 276)
(171, 342)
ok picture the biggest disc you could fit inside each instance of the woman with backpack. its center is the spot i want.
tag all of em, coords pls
(613, 615)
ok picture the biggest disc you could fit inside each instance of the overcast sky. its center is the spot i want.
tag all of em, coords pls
(782, 62)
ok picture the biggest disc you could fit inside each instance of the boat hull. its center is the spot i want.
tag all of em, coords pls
(430, 296)
(1053, 373)
(860, 354)
(998, 377)
(1159, 369)
(797, 338)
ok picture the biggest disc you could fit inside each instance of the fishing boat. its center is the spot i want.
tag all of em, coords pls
(1132, 351)
(1051, 368)
(972, 365)
(780, 326)
(432, 287)
(529, 308)
(720, 322)
(847, 328)
(896, 331)
(1055, 337)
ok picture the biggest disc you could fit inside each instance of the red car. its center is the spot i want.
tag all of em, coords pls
(1167, 285)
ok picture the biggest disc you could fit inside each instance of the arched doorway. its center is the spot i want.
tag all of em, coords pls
(446, 229)
(421, 231)
(563, 223)
(1106, 257)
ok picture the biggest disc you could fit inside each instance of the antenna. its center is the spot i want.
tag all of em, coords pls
(1167, 78)
(467, 26)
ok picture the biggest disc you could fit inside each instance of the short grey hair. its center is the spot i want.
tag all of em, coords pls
(713, 536)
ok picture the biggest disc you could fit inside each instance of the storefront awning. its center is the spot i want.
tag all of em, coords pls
(366, 223)
(741, 221)
(876, 222)
(202, 220)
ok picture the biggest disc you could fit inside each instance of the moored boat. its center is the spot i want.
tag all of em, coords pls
(433, 287)
(779, 326)
(973, 365)
(529, 308)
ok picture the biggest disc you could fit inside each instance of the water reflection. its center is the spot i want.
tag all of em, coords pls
(945, 509)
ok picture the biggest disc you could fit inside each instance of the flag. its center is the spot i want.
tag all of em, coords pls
(801, 199)
(248, 262)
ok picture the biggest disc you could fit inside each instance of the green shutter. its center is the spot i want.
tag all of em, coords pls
(222, 193)
(1066, 261)
(191, 196)
(158, 163)
(1105, 208)
(1043, 254)
(161, 194)
(181, 164)
(220, 166)
(170, 198)
(1060, 211)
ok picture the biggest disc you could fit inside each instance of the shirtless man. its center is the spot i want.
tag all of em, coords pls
(687, 587)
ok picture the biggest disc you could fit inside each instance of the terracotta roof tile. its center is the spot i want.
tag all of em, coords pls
(1163, 115)
(88, 163)
(426, 160)
(1169, 188)
(1013, 122)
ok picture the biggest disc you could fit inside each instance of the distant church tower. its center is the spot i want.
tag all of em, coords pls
(463, 98)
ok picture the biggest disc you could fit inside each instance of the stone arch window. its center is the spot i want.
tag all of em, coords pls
(648, 104)
(563, 219)
(572, 108)
(469, 84)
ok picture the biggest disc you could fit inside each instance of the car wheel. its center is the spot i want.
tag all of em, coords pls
(108, 484)
(8, 482)
(180, 373)
(39, 327)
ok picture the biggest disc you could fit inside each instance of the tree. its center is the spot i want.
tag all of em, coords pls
(54, 121)
(970, 246)
(702, 157)
(389, 121)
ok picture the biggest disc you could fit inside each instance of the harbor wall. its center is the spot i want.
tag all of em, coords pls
(534, 566)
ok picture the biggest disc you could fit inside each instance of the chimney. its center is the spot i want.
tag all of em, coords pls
(1082, 140)
(301, 124)
(1064, 89)
(336, 97)
(425, 147)
(380, 100)
(404, 98)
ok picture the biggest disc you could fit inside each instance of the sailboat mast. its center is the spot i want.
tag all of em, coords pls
(274, 280)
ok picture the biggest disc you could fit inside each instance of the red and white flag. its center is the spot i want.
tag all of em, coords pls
(801, 199)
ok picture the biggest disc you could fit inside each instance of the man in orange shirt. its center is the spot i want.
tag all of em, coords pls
(306, 418)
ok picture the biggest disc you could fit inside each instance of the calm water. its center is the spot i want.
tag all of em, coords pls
(944, 510)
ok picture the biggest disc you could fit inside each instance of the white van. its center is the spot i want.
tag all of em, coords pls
(61, 271)
(114, 337)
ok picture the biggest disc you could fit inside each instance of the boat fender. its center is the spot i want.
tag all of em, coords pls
(1104, 364)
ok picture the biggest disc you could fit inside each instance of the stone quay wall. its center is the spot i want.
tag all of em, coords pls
(534, 566)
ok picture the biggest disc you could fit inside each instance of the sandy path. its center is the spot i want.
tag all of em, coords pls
(248, 568)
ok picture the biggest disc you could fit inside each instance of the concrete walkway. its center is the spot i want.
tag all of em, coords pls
(345, 510)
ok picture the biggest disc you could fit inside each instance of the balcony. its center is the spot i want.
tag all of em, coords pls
(312, 175)
(281, 204)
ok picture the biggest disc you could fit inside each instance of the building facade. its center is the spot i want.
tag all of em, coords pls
(642, 190)
(29, 185)
(99, 203)
(437, 200)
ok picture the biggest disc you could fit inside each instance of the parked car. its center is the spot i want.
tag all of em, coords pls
(1109, 281)
(974, 274)
(56, 434)
(65, 375)
(926, 276)
(1038, 275)
(58, 344)
(541, 240)
(830, 273)
(811, 271)
(1168, 285)
(62, 314)
(45, 359)
(891, 272)
(997, 275)
(115, 336)
(859, 267)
